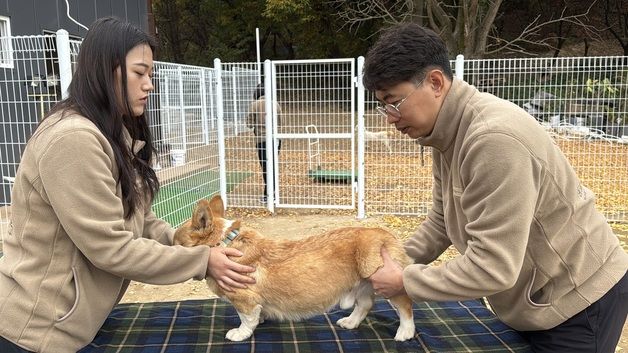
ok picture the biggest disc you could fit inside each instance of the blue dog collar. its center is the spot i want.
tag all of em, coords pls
(230, 237)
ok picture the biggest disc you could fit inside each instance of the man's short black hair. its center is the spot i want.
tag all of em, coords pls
(404, 52)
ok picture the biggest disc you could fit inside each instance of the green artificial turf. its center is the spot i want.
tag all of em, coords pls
(175, 201)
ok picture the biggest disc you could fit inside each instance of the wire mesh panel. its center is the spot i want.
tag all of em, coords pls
(315, 124)
(182, 117)
(244, 182)
(28, 88)
(398, 171)
(583, 104)
(75, 46)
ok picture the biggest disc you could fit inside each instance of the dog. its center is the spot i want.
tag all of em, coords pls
(384, 136)
(297, 279)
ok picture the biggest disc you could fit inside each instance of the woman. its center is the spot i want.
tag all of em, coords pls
(81, 224)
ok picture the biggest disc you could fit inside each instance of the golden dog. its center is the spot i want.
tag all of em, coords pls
(302, 278)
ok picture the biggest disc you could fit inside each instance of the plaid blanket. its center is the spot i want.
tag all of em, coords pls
(200, 326)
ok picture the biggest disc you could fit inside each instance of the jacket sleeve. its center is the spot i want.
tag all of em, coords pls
(430, 240)
(496, 167)
(250, 117)
(77, 178)
(156, 228)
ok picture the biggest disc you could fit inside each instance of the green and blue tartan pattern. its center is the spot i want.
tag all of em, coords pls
(195, 326)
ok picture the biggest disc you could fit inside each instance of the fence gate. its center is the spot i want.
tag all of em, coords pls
(314, 120)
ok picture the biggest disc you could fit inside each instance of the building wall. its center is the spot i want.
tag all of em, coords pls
(31, 17)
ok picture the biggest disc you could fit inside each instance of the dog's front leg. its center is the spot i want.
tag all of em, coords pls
(248, 323)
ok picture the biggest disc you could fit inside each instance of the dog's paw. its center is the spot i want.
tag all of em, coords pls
(348, 323)
(238, 334)
(404, 333)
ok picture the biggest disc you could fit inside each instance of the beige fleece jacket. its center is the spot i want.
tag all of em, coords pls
(506, 197)
(70, 253)
(256, 118)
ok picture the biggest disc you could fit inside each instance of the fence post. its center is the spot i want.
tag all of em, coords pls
(270, 117)
(182, 108)
(361, 140)
(204, 108)
(222, 165)
(235, 99)
(168, 125)
(211, 99)
(460, 66)
(65, 61)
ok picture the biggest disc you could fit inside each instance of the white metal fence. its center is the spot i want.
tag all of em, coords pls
(581, 102)
(336, 152)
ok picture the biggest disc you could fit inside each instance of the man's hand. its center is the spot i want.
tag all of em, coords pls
(227, 273)
(387, 281)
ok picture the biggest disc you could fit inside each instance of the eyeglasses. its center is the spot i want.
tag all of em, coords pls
(393, 109)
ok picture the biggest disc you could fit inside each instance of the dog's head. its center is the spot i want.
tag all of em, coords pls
(207, 225)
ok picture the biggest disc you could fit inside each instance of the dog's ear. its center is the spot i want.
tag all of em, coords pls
(202, 216)
(217, 207)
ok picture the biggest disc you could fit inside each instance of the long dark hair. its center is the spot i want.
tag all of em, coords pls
(92, 93)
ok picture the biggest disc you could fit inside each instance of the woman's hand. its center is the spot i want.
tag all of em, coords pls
(227, 273)
(387, 281)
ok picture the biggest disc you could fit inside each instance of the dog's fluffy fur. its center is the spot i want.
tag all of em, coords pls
(384, 136)
(302, 278)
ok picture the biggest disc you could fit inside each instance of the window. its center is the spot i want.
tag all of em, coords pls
(6, 46)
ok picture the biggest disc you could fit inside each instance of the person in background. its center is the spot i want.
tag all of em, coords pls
(256, 119)
(530, 238)
(81, 223)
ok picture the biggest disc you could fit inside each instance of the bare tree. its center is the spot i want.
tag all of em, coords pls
(532, 35)
(466, 26)
(355, 13)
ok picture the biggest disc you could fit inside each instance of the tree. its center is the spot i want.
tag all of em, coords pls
(464, 25)
(314, 32)
(616, 20)
(467, 26)
(543, 26)
(198, 31)
(167, 18)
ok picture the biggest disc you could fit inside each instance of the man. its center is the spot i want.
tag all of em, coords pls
(505, 196)
(256, 119)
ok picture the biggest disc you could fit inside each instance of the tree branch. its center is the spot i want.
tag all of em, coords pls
(531, 34)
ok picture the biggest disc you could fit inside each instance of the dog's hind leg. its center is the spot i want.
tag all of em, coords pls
(406, 329)
(364, 303)
(348, 300)
(248, 323)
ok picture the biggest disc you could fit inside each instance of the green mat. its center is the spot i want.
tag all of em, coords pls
(175, 201)
(331, 176)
